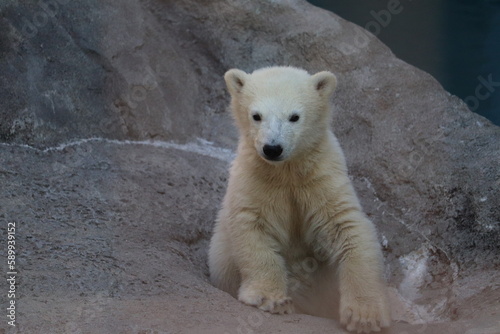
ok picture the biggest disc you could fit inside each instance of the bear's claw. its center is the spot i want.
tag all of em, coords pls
(364, 316)
(277, 304)
(280, 306)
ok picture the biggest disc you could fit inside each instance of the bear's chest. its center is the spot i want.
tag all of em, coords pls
(289, 217)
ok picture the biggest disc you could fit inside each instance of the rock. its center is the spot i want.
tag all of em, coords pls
(91, 70)
(113, 232)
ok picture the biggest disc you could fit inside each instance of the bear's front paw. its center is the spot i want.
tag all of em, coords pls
(364, 314)
(266, 301)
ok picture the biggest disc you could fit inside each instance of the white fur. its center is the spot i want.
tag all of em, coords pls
(293, 231)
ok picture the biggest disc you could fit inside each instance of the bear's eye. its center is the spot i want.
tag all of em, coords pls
(294, 118)
(256, 117)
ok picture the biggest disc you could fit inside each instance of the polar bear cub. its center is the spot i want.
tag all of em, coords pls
(291, 229)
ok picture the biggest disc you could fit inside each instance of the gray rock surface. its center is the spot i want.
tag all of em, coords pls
(112, 234)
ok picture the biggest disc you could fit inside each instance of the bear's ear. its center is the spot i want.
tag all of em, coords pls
(235, 80)
(324, 83)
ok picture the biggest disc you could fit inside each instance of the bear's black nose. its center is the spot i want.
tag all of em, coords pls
(272, 152)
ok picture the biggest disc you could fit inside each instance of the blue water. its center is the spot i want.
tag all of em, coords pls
(457, 41)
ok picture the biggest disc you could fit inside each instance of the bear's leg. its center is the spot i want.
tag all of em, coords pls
(223, 271)
(363, 299)
(351, 240)
(263, 271)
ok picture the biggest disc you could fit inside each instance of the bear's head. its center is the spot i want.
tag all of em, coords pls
(283, 112)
